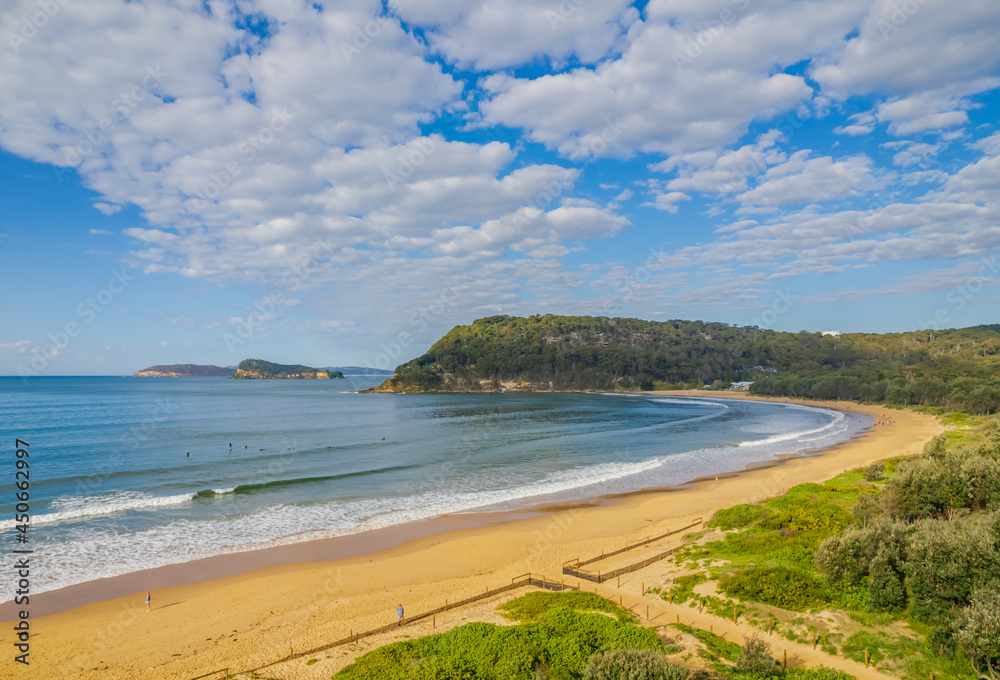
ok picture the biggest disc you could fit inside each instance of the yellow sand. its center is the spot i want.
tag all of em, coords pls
(246, 621)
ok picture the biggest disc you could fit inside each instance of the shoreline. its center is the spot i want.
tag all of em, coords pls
(366, 542)
(346, 583)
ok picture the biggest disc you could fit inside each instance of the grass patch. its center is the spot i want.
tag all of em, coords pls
(715, 646)
(778, 586)
(683, 588)
(557, 645)
(533, 606)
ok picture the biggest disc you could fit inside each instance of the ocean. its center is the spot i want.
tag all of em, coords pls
(133, 473)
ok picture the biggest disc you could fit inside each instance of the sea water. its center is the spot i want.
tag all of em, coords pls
(134, 473)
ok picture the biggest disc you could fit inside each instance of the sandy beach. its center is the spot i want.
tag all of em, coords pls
(265, 607)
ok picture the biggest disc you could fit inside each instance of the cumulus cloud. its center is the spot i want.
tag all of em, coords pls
(490, 35)
(802, 179)
(706, 98)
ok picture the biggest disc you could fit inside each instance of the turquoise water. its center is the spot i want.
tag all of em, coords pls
(114, 489)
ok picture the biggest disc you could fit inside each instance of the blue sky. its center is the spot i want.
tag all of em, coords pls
(324, 183)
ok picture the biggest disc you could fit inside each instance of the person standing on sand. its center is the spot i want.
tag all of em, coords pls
(148, 600)
(399, 614)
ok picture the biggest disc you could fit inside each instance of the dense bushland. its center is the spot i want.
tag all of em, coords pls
(957, 369)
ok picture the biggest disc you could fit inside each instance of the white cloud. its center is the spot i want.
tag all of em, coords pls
(491, 35)
(926, 57)
(668, 201)
(700, 102)
(802, 179)
(107, 209)
(100, 232)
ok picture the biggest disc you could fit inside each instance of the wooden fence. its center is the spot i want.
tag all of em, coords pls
(574, 567)
(522, 581)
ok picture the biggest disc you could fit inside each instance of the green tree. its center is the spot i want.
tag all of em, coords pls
(977, 632)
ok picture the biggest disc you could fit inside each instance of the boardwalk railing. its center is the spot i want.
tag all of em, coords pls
(574, 567)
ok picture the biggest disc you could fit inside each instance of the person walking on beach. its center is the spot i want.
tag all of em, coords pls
(148, 600)
(399, 614)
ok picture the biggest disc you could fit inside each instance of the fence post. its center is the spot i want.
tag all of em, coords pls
(784, 663)
(866, 658)
(434, 621)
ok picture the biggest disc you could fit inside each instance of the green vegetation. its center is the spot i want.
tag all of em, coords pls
(715, 646)
(977, 632)
(756, 660)
(186, 371)
(956, 369)
(633, 664)
(683, 589)
(532, 606)
(256, 368)
(909, 548)
(558, 646)
(779, 586)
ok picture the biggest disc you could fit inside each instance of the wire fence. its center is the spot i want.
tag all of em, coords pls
(574, 567)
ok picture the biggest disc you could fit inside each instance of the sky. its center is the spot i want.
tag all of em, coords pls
(341, 183)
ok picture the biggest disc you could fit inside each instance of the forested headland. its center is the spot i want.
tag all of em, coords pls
(955, 368)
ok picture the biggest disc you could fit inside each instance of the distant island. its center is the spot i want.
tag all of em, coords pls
(359, 370)
(954, 368)
(256, 369)
(185, 371)
(251, 369)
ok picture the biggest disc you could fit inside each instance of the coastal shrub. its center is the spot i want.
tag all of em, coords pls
(633, 664)
(778, 586)
(737, 517)
(947, 560)
(868, 508)
(531, 606)
(977, 631)
(872, 556)
(875, 471)
(922, 488)
(561, 641)
(756, 659)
